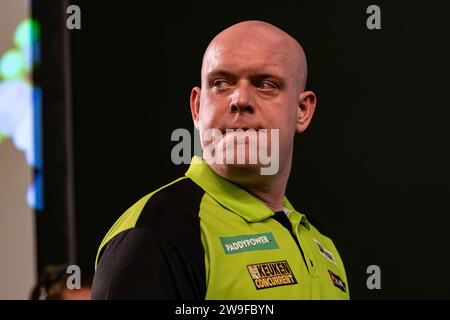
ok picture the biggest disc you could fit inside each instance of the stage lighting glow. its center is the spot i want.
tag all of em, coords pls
(20, 106)
(12, 64)
(27, 33)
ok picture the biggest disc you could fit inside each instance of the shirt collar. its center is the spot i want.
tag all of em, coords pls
(230, 195)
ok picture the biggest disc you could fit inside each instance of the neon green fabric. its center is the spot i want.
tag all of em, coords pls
(249, 254)
(228, 211)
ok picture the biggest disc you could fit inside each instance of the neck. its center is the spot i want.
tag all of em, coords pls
(268, 189)
(272, 196)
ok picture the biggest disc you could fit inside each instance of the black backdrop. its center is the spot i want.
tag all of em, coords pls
(372, 168)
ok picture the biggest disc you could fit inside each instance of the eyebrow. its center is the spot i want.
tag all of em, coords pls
(220, 73)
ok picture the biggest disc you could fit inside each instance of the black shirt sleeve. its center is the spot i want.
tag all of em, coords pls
(136, 265)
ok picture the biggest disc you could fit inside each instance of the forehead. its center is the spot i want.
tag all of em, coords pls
(249, 59)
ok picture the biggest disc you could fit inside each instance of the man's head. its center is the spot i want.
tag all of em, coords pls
(253, 76)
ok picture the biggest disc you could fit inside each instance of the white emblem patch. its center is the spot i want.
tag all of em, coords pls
(327, 254)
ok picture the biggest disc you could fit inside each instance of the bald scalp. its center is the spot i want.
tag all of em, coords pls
(248, 33)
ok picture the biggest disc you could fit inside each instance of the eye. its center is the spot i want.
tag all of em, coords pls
(266, 85)
(221, 83)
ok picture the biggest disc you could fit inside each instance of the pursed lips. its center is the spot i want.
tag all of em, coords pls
(224, 131)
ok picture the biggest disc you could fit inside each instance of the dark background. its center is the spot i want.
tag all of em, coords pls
(372, 168)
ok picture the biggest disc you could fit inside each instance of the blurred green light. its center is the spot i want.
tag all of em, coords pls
(2, 137)
(11, 64)
(27, 33)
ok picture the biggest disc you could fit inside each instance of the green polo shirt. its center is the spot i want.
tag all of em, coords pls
(204, 237)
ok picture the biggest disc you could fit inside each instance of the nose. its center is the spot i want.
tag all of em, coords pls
(242, 99)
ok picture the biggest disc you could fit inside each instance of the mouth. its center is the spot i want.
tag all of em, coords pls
(243, 129)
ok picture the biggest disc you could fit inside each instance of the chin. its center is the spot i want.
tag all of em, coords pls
(244, 167)
(239, 173)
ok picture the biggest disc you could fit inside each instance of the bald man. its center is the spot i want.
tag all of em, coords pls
(225, 230)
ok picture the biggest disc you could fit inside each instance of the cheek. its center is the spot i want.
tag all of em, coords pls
(211, 110)
(286, 122)
(282, 116)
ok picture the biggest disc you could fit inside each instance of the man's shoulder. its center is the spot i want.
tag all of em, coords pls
(179, 200)
(162, 212)
(316, 225)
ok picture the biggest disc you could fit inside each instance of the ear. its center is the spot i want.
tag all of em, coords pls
(195, 104)
(305, 110)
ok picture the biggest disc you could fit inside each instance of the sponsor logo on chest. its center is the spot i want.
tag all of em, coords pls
(337, 281)
(271, 274)
(252, 242)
